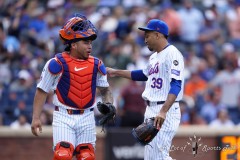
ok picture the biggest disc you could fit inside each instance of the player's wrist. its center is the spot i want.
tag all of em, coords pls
(163, 111)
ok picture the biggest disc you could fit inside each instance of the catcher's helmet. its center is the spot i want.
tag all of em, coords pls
(77, 28)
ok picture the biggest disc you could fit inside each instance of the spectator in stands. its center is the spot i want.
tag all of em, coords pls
(195, 118)
(139, 59)
(210, 54)
(210, 32)
(206, 71)
(22, 83)
(21, 123)
(222, 120)
(115, 58)
(228, 53)
(185, 114)
(131, 105)
(195, 85)
(20, 99)
(210, 109)
(228, 80)
(233, 20)
(192, 62)
(192, 20)
(46, 118)
(5, 72)
(173, 20)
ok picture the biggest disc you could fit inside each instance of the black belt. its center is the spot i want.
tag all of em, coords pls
(158, 102)
(72, 111)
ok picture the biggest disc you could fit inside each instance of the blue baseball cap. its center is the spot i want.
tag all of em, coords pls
(156, 25)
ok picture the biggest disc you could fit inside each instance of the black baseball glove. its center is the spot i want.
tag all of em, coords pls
(145, 132)
(108, 110)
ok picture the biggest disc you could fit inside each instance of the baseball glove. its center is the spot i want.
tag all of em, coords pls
(145, 132)
(108, 110)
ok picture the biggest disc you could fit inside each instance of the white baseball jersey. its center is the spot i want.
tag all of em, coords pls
(162, 67)
(76, 129)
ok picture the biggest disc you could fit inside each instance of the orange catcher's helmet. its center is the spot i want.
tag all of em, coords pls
(77, 28)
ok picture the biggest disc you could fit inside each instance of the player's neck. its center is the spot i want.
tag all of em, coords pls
(162, 46)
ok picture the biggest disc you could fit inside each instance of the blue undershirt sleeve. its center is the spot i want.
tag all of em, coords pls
(175, 86)
(138, 75)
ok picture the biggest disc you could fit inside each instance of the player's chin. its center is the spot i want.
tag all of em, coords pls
(150, 48)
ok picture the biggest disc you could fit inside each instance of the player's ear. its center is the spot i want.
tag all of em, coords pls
(158, 35)
(73, 45)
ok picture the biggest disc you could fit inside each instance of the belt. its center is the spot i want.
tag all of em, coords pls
(73, 111)
(156, 103)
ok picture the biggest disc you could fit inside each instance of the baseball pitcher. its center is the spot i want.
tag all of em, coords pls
(163, 90)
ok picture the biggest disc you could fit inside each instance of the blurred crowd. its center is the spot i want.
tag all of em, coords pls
(207, 32)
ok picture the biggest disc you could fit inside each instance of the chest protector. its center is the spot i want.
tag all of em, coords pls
(77, 85)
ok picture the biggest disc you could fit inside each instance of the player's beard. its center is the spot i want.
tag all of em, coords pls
(85, 56)
(150, 49)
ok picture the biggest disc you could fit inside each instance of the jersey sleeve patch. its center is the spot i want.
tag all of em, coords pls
(54, 67)
(175, 62)
(176, 72)
(102, 68)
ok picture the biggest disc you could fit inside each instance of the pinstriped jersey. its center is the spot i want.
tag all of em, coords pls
(161, 68)
(49, 82)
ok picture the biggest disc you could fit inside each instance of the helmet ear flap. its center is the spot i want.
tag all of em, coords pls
(62, 39)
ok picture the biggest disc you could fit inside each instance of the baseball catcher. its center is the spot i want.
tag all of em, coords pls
(145, 132)
(108, 110)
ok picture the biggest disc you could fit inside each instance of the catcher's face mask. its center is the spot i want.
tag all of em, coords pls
(77, 28)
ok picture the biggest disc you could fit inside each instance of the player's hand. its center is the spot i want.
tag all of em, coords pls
(159, 119)
(111, 72)
(35, 126)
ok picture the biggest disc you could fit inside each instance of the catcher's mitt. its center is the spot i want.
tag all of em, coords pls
(108, 110)
(145, 132)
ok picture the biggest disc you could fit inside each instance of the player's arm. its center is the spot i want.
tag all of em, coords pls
(39, 101)
(105, 107)
(103, 85)
(135, 75)
(106, 94)
(49, 75)
(172, 95)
